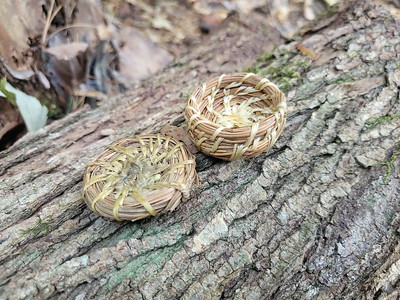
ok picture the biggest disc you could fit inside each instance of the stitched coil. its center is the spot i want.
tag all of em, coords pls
(139, 177)
(235, 116)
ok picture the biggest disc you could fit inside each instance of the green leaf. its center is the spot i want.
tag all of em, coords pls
(32, 111)
(6, 94)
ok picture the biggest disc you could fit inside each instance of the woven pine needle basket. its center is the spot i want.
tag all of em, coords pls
(235, 116)
(138, 177)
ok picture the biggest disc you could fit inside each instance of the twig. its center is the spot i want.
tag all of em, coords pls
(49, 20)
(70, 26)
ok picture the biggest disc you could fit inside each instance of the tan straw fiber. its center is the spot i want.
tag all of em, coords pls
(235, 116)
(138, 177)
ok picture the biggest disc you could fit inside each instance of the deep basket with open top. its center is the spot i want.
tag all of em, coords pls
(139, 176)
(235, 116)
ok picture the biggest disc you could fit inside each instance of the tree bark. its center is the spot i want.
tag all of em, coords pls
(317, 217)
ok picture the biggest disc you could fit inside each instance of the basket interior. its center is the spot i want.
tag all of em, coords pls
(231, 110)
(138, 176)
(236, 101)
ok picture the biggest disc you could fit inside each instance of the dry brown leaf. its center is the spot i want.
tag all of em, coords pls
(67, 51)
(88, 12)
(138, 56)
(23, 73)
(66, 69)
(21, 22)
(179, 134)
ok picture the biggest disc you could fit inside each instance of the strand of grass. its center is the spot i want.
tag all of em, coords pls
(78, 25)
(49, 20)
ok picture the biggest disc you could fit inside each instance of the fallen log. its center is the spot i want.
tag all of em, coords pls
(316, 217)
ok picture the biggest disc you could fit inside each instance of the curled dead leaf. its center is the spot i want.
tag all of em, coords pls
(67, 51)
(179, 134)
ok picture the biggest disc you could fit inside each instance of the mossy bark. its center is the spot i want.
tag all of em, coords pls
(317, 217)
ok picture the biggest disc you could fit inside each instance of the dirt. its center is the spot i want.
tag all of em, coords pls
(71, 53)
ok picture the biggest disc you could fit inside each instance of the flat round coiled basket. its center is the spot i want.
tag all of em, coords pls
(235, 116)
(139, 177)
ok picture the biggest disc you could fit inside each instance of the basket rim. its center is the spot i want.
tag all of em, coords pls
(193, 117)
(235, 115)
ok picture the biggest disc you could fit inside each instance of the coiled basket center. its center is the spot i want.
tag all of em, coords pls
(138, 177)
(236, 115)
